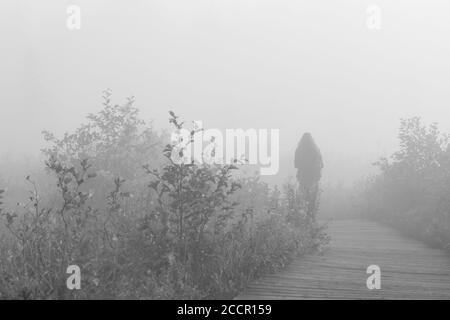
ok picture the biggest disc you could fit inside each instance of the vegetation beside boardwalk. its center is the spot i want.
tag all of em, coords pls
(140, 226)
(412, 191)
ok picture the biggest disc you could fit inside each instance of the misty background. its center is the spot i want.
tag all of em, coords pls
(294, 65)
(106, 199)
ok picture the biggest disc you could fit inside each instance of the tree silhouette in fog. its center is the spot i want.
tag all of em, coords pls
(308, 162)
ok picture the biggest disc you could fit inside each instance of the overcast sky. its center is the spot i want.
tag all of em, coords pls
(294, 65)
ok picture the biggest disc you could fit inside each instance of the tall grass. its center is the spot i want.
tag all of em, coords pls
(412, 191)
(142, 227)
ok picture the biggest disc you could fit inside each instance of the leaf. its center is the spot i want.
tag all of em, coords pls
(67, 180)
(154, 184)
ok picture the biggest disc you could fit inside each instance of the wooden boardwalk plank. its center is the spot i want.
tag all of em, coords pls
(409, 268)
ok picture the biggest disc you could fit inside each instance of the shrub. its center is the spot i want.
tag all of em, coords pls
(412, 190)
(117, 143)
(43, 242)
(203, 232)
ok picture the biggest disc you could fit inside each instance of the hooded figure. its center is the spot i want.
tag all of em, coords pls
(308, 162)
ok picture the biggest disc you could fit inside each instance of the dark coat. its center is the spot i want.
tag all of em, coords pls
(308, 162)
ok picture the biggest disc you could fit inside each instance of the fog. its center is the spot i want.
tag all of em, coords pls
(294, 65)
(312, 93)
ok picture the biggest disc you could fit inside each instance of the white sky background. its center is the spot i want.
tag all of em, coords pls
(295, 65)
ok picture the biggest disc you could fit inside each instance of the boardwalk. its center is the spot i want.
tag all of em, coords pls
(409, 269)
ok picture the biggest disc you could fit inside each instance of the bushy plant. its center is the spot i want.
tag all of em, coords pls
(44, 241)
(117, 143)
(202, 231)
(412, 190)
